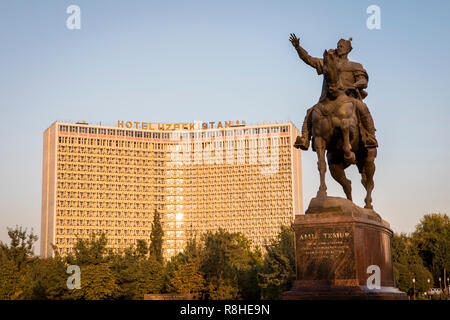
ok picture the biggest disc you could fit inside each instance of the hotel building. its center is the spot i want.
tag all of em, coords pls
(242, 178)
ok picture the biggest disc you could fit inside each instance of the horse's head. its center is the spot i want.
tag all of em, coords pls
(332, 73)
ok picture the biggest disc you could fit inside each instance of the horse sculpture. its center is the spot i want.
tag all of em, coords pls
(336, 129)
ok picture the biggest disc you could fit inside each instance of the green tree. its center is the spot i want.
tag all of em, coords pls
(89, 251)
(16, 262)
(12, 282)
(137, 273)
(186, 278)
(97, 283)
(49, 279)
(432, 239)
(20, 249)
(408, 265)
(156, 238)
(279, 265)
(228, 266)
(140, 277)
(183, 272)
(142, 249)
(222, 289)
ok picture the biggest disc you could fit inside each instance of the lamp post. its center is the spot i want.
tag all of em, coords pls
(428, 280)
(414, 288)
(448, 287)
(440, 288)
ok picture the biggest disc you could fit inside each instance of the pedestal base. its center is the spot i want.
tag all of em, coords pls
(321, 291)
(338, 247)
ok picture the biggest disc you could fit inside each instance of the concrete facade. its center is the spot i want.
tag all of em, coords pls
(109, 179)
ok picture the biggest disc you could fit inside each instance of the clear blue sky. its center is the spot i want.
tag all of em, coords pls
(168, 61)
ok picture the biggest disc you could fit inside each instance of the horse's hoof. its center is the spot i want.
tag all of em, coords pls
(321, 194)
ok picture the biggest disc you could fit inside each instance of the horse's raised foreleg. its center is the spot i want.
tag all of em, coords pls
(368, 170)
(349, 155)
(319, 144)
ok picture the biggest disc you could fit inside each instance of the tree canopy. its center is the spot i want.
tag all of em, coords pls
(217, 265)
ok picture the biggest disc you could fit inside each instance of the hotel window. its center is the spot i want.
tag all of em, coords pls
(83, 130)
(63, 128)
(73, 129)
(138, 134)
(93, 130)
(111, 132)
(284, 129)
(129, 133)
(120, 133)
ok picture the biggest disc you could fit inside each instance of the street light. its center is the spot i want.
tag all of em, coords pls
(414, 292)
(440, 288)
(447, 287)
(428, 280)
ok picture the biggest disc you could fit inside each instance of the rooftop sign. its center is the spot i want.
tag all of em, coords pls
(179, 126)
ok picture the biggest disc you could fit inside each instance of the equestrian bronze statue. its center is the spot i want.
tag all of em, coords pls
(340, 123)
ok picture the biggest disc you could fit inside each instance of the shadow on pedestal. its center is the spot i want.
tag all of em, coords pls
(338, 247)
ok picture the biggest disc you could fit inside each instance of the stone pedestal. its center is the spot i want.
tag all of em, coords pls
(336, 241)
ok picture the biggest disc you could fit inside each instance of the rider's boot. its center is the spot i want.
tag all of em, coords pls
(367, 122)
(303, 141)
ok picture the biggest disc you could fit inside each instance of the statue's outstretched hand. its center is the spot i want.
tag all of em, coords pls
(294, 40)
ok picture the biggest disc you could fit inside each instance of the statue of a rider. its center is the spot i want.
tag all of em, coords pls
(354, 79)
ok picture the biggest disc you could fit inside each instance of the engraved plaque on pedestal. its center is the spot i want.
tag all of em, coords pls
(336, 241)
(325, 253)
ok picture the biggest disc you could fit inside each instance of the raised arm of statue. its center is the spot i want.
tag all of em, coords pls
(316, 63)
